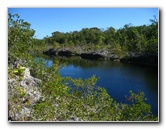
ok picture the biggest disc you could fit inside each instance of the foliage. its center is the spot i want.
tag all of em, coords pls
(76, 99)
(19, 38)
(139, 110)
(140, 39)
(19, 71)
(69, 99)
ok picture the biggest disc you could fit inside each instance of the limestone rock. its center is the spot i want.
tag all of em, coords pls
(22, 95)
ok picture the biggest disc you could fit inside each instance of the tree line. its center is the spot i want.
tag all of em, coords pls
(141, 39)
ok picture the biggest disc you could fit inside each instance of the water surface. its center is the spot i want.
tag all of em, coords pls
(116, 77)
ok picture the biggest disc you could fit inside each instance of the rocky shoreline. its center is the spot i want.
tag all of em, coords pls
(149, 59)
(24, 92)
(22, 95)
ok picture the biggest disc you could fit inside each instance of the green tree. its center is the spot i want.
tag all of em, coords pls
(20, 38)
(152, 36)
(109, 36)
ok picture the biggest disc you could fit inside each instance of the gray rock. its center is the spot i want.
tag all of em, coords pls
(50, 52)
(12, 81)
(74, 118)
(28, 93)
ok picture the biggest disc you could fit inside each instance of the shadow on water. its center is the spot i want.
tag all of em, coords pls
(116, 77)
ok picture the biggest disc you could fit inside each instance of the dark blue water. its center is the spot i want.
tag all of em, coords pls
(116, 77)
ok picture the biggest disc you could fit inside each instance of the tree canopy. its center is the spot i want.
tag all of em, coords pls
(141, 39)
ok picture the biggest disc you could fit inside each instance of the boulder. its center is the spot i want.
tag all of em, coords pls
(92, 55)
(50, 52)
(144, 59)
(23, 94)
(65, 53)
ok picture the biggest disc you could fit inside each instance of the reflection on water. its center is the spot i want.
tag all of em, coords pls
(116, 77)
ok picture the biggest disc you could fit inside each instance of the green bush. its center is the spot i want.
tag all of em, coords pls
(20, 37)
(77, 99)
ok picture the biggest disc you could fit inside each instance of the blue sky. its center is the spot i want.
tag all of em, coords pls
(47, 20)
